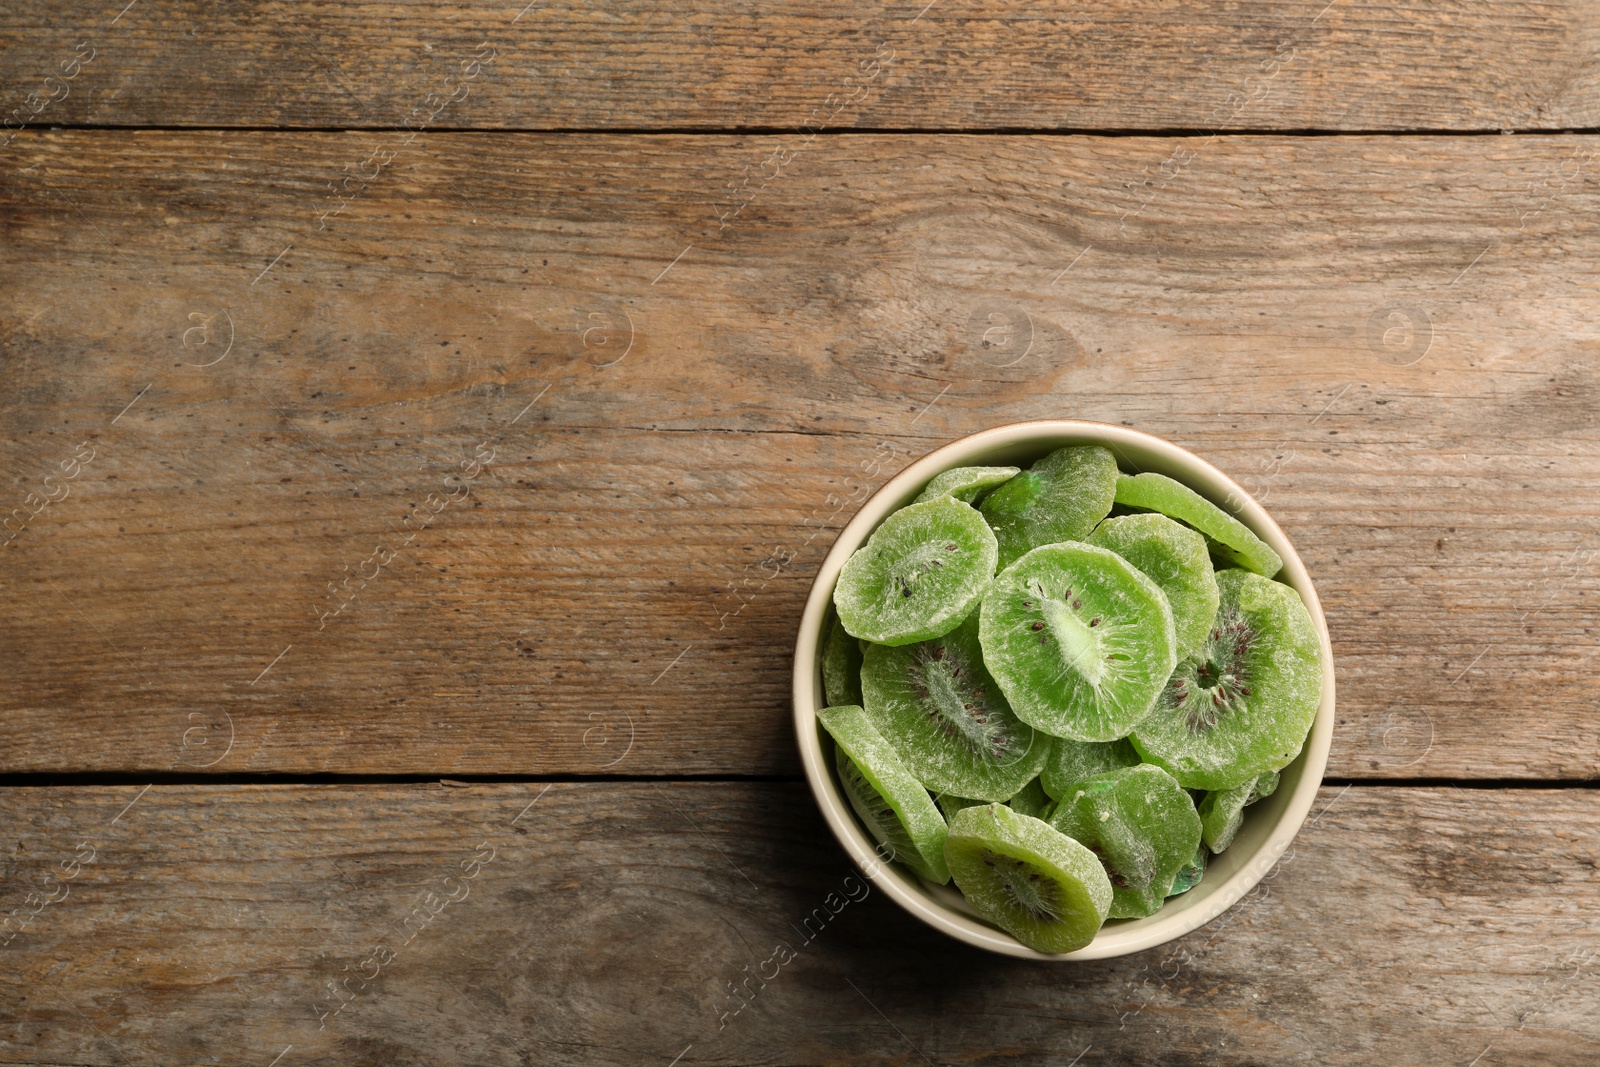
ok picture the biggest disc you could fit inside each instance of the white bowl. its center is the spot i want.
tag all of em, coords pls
(1269, 824)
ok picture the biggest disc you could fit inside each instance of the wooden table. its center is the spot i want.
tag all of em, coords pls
(422, 421)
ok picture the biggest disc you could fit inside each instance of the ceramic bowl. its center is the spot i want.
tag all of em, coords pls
(1269, 825)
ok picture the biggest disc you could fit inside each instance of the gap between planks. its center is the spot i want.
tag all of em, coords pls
(52, 780)
(841, 131)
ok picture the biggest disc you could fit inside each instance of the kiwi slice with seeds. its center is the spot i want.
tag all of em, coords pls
(967, 484)
(883, 821)
(919, 574)
(1142, 825)
(1034, 882)
(1228, 537)
(1079, 639)
(1060, 498)
(896, 809)
(1243, 706)
(1176, 559)
(948, 720)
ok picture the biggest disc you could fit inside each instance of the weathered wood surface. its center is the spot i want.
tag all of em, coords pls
(1346, 64)
(632, 561)
(605, 923)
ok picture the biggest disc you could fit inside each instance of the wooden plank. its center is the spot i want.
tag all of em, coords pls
(1392, 343)
(606, 923)
(1347, 65)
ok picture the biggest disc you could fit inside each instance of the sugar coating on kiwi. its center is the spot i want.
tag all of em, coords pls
(919, 574)
(1230, 538)
(1030, 800)
(1034, 882)
(967, 484)
(1142, 825)
(886, 796)
(1080, 640)
(1222, 810)
(1059, 498)
(1245, 704)
(1176, 559)
(1072, 762)
(948, 720)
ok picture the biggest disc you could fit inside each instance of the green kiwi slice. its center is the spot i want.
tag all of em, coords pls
(896, 809)
(1072, 762)
(918, 575)
(1142, 825)
(949, 803)
(1034, 882)
(1230, 538)
(947, 719)
(967, 484)
(1060, 498)
(1032, 800)
(1175, 558)
(1222, 811)
(1190, 873)
(1079, 639)
(1244, 705)
(841, 666)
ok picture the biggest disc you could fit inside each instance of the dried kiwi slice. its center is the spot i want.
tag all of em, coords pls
(1142, 825)
(841, 666)
(1222, 811)
(947, 719)
(1176, 559)
(1032, 800)
(1079, 639)
(949, 803)
(1035, 883)
(1243, 706)
(895, 808)
(1230, 538)
(918, 575)
(1072, 762)
(1189, 874)
(1060, 498)
(967, 484)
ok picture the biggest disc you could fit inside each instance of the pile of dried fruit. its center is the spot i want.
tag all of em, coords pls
(1070, 737)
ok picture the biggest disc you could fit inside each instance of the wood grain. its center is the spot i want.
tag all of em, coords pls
(605, 923)
(680, 415)
(1358, 65)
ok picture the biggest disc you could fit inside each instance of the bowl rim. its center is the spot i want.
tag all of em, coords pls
(1267, 841)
